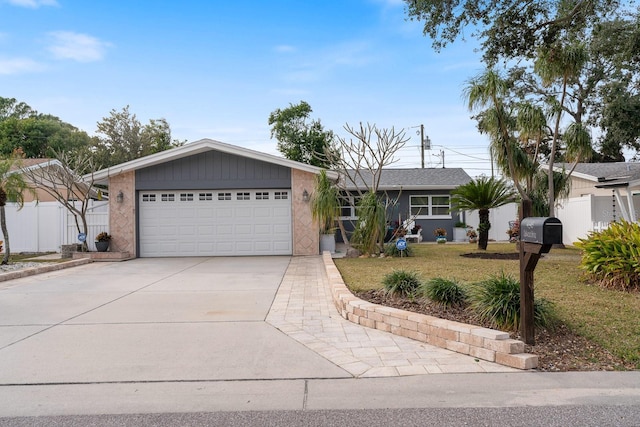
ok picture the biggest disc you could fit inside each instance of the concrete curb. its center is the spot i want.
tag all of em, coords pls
(482, 343)
(44, 269)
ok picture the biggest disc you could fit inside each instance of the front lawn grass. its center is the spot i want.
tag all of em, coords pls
(609, 318)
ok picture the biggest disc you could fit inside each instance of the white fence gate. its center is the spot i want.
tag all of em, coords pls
(97, 221)
(45, 226)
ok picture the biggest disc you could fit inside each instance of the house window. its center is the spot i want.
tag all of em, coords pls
(205, 196)
(186, 197)
(281, 195)
(349, 208)
(436, 206)
(148, 197)
(243, 196)
(262, 195)
(168, 197)
(224, 196)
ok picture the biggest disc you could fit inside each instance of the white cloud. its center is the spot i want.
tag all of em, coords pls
(283, 48)
(76, 46)
(33, 4)
(18, 66)
(317, 65)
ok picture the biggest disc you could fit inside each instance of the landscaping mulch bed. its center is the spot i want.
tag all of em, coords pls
(494, 255)
(558, 351)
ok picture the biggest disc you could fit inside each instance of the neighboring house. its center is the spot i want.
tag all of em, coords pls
(207, 198)
(43, 224)
(600, 193)
(41, 195)
(423, 195)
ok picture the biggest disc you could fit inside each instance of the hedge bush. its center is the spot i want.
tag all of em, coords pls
(403, 283)
(445, 292)
(612, 256)
(497, 300)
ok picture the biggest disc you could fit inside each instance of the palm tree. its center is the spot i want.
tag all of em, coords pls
(559, 64)
(12, 189)
(482, 195)
(486, 93)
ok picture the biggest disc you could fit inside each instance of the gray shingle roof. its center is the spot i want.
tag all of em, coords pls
(615, 174)
(605, 170)
(394, 179)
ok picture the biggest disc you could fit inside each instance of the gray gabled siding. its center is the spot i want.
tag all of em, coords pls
(213, 170)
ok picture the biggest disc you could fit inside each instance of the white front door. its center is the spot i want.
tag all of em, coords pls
(215, 223)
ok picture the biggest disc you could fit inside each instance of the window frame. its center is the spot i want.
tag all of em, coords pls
(429, 206)
(349, 201)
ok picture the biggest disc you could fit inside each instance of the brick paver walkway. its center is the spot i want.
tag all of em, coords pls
(303, 309)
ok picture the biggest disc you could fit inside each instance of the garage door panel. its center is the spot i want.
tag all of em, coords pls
(242, 213)
(215, 223)
(224, 212)
(243, 230)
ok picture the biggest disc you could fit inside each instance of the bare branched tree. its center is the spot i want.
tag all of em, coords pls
(360, 160)
(63, 179)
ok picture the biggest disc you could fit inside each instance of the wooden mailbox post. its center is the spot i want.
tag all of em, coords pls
(537, 235)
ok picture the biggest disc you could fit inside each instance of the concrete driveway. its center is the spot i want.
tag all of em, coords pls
(150, 320)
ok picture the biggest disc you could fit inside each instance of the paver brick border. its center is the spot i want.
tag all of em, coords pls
(10, 275)
(482, 343)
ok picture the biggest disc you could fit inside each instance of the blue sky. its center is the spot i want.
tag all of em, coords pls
(216, 69)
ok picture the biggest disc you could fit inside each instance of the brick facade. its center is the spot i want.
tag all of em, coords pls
(306, 237)
(122, 216)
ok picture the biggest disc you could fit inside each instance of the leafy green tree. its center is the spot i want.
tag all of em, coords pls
(603, 89)
(36, 135)
(11, 108)
(12, 189)
(124, 138)
(483, 194)
(507, 29)
(300, 138)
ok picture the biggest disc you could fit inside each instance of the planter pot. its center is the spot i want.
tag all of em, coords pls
(473, 240)
(102, 246)
(459, 234)
(328, 243)
(441, 239)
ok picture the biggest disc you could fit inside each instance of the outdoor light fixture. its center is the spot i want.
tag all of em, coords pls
(305, 196)
(120, 197)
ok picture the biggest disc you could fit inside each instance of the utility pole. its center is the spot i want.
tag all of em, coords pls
(422, 144)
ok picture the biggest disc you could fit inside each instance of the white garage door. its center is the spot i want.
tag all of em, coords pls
(215, 223)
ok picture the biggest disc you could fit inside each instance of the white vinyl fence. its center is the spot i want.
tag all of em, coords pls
(581, 215)
(97, 222)
(45, 226)
(499, 219)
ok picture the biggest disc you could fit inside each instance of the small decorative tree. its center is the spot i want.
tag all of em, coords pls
(64, 181)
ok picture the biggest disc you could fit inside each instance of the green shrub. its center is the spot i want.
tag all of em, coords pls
(447, 293)
(497, 301)
(612, 256)
(391, 250)
(403, 283)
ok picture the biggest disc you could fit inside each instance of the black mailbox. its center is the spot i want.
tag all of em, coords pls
(542, 230)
